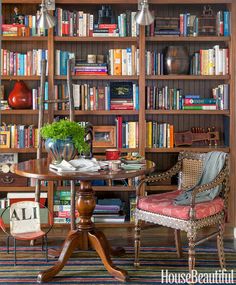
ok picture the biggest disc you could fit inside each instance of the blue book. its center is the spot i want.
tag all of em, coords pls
(137, 98)
(46, 96)
(63, 62)
(226, 23)
(189, 96)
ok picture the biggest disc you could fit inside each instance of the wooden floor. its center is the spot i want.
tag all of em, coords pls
(154, 236)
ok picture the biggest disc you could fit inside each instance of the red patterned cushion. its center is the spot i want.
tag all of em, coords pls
(163, 204)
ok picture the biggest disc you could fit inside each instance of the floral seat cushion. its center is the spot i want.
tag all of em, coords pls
(163, 204)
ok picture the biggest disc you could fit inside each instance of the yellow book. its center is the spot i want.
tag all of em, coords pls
(117, 62)
(132, 134)
(149, 134)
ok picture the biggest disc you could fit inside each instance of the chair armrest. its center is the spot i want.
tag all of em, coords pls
(223, 175)
(158, 177)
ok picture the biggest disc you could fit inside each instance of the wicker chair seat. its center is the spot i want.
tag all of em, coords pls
(163, 204)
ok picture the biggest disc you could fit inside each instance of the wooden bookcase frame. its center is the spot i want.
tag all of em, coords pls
(142, 42)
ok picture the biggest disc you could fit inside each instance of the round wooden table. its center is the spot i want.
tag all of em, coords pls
(85, 234)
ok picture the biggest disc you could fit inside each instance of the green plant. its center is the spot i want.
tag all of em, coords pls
(64, 129)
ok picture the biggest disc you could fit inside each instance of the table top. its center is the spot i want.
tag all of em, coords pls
(39, 169)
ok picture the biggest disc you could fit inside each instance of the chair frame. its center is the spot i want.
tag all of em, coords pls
(44, 237)
(192, 225)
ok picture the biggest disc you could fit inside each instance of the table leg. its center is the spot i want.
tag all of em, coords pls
(99, 242)
(71, 243)
(86, 235)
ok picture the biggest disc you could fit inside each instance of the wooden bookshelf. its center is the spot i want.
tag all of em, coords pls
(182, 119)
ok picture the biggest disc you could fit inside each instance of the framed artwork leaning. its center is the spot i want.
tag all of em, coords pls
(104, 136)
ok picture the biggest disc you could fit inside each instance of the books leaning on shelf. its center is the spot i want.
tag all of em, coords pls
(159, 135)
(22, 64)
(213, 61)
(81, 24)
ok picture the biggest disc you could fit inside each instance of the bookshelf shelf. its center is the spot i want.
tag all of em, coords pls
(188, 77)
(26, 77)
(98, 77)
(187, 39)
(99, 113)
(96, 39)
(24, 39)
(187, 112)
(20, 112)
(179, 149)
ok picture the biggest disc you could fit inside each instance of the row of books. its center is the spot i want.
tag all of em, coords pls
(81, 24)
(214, 61)
(21, 136)
(124, 61)
(61, 58)
(127, 133)
(187, 25)
(166, 98)
(159, 135)
(154, 63)
(21, 64)
(91, 98)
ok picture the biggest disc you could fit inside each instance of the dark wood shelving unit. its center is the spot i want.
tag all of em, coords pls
(181, 119)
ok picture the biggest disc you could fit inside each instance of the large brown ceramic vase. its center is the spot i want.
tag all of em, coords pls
(20, 96)
(177, 60)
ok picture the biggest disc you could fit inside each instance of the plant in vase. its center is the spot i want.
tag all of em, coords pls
(64, 139)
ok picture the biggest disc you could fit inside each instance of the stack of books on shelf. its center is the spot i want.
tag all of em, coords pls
(159, 135)
(164, 98)
(124, 61)
(109, 211)
(214, 61)
(81, 24)
(19, 64)
(105, 30)
(62, 207)
(127, 133)
(124, 96)
(194, 102)
(85, 68)
(154, 63)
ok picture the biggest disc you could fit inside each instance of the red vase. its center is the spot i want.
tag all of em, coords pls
(20, 96)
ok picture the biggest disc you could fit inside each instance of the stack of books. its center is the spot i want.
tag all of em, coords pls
(105, 30)
(109, 210)
(84, 68)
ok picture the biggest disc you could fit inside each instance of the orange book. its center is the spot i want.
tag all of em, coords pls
(171, 136)
(117, 62)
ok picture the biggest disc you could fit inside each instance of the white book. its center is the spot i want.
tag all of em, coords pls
(220, 62)
(129, 61)
(216, 48)
(81, 21)
(133, 25)
(124, 62)
(111, 61)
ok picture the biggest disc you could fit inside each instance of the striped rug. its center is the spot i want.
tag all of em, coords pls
(87, 268)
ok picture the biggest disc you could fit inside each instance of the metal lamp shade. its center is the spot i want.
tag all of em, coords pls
(144, 17)
(46, 20)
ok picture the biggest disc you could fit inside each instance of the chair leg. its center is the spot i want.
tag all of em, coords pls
(14, 240)
(178, 243)
(46, 247)
(8, 238)
(137, 242)
(220, 245)
(191, 251)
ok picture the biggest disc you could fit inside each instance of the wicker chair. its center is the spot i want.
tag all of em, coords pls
(159, 208)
